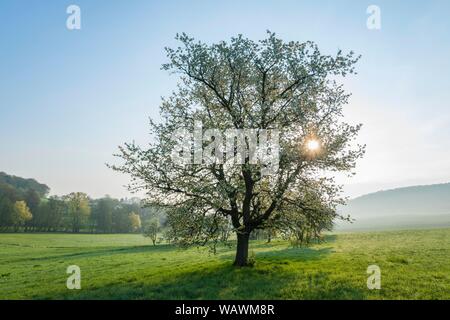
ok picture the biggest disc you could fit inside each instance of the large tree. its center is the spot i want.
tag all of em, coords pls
(242, 84)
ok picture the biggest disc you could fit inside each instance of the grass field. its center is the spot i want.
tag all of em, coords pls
(414, 265)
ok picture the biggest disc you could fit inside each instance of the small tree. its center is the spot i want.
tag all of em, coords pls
(102, 213)
(303, 225)
(21, 214)
(225, 228)
(56, 209)
(151, 230)
(78, 209)
(135, 221)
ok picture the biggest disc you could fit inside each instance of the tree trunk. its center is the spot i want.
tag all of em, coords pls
(242, 250)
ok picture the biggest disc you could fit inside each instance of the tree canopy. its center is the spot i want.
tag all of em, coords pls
(243, 84)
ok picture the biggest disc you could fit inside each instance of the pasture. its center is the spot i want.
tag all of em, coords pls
(414, 264)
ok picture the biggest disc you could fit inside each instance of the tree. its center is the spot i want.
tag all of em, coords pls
(224, 227)
(266, 86)
(103, 213)
(32, 199)
(151, 230)
(8, 196)
(302, 226)
(21, 214)
(78, 209)
(121, 217)
(6, 212)
(56, 208)
(135, 221)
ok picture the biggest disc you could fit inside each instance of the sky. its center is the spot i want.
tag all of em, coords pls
(68, 98)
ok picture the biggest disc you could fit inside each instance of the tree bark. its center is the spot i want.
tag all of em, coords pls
(241, 259)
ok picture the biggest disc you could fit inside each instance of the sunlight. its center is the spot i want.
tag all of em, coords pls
(313, 145)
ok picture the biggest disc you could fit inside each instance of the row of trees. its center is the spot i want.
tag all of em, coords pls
(27, 208)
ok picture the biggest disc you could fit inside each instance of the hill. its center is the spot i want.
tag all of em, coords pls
(410, 207)
(23, 185)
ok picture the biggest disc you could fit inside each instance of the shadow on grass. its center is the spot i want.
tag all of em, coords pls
(259, 244)
(103, 251)
(227, 282)
(294, 254)
(278, 274)
(278, 252)
(285, 255)
(107, 251)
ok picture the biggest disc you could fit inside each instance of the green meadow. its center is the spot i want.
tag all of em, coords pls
(414, 265)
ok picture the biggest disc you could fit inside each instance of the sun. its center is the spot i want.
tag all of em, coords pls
(313, 145)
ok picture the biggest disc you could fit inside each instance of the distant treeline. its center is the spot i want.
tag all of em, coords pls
(25, 207)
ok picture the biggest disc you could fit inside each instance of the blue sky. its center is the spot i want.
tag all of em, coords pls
(69, 98)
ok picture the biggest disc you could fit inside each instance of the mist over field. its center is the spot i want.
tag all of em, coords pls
(411, 207)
